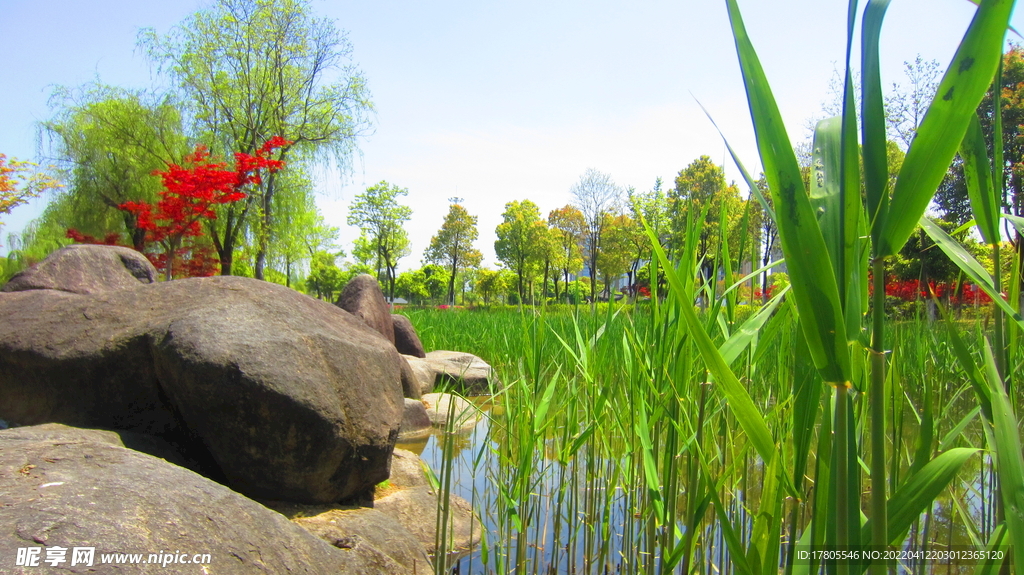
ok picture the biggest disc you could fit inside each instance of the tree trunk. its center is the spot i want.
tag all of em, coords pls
(451, 283)
(263, 237)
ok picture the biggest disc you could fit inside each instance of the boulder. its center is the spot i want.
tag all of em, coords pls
(415, 421)
(76, 492)
(469, 374)
(148, 444)
(441, 406)
(416, 510)
(411, 386)
(277, 394)
(426, 374)
(362, 298)
(86, 269)
(406, 340)
(369, 532)
(407, 470)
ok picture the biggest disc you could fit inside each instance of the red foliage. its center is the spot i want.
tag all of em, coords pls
(189, 196)
(912, 290)
(760, 294)
(111, 239)
(191, 192)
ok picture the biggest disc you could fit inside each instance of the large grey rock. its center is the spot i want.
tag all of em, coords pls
(416, 509)
(468, 373)
(362, 298)
(406, 340)
(72, 492)
(85, 269)
(148, 444)
(279, 395)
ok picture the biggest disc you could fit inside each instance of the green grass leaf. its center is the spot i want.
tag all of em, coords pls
(1009, 459)
(918, 493)
(978, 174)
(815, 291)
(945, 122)
(876, 168)
(743, 407)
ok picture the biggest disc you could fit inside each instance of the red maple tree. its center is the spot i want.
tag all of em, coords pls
(190, 193)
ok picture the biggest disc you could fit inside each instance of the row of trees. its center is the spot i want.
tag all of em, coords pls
(246, 70)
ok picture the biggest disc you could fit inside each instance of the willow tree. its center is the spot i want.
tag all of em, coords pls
(108, 141)
(252, 69)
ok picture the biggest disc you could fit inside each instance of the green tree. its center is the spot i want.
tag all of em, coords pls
(452, 247)
(325, 277)
(617, 250)
(595, 196)
(412, 285)
(568, 228)
(521, 240)
(252, 69)
(299, 229)
(650, 207)
(380, 217)
(701, 189)
(489, 283)
(435, 279)
(108, 142)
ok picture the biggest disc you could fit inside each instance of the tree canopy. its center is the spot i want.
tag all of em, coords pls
(380, 217)
(452, 246)
(249, 70)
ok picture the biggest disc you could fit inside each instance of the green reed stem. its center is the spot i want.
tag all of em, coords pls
(842, 480)
(876, 396)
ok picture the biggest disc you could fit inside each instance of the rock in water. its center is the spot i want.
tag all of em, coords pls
(362, 298)
(86, 269)
(373, 533)
(451, 411)
(76, 492)
(287, 397)
(424, 371)
(406, 340)
(466, 372)
(415, 422)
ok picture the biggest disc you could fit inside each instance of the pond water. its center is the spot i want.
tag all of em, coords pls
(573, 524)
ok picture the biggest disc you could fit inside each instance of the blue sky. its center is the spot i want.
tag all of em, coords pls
(494, 102)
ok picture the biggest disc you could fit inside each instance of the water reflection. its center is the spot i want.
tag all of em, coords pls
(591, 514)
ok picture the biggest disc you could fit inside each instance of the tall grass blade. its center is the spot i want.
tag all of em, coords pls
(1009, 458)
(919, 492)
(876, 168)
(816, 293)
(978, 174)
(750, 419)
(743, 335)
(945, 122)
